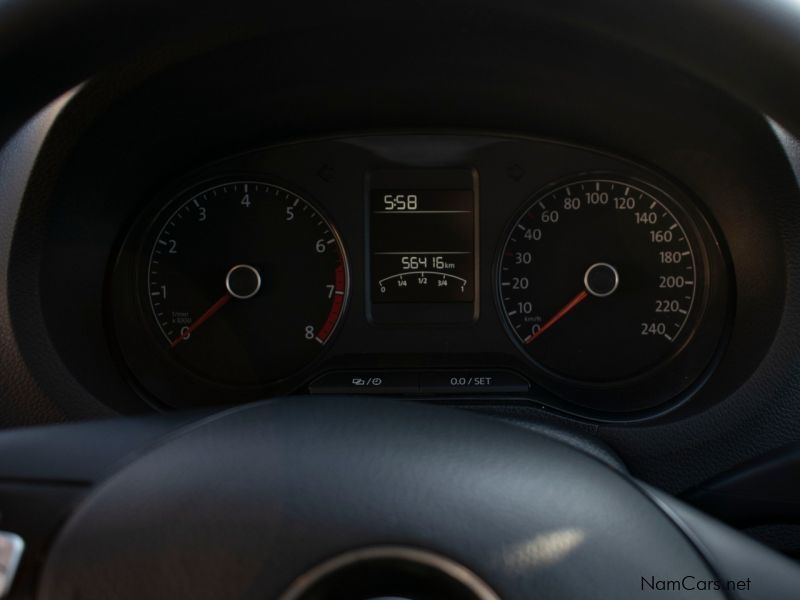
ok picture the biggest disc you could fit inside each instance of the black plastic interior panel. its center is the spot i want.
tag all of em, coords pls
(763, 491)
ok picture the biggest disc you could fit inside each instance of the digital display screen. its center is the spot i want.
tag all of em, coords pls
(422, 245)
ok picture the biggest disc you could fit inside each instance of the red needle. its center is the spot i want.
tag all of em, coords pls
(556, 317)
(200, 320)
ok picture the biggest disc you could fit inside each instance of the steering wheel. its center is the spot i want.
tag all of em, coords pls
(366, 498)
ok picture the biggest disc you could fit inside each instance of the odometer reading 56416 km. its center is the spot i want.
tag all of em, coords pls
(601, 279)
(423, 247)
(245, 281)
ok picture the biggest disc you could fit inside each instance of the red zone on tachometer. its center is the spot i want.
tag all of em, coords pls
(336, 307)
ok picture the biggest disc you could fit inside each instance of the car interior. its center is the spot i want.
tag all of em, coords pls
(400, 301)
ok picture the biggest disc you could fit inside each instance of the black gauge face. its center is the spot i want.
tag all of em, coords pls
(245, 282)
(601, 280)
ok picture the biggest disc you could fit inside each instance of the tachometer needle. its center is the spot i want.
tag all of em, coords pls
(556, 317)
(200, 320)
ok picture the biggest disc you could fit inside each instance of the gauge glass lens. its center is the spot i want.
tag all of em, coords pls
(245, 282)
(600, 279)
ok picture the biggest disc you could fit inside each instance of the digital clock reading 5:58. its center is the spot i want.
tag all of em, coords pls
(422, 245)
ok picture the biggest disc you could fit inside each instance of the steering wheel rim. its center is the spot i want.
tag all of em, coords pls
(522, 511)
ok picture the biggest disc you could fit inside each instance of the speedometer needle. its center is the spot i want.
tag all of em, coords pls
(200, 320)
(557, 317)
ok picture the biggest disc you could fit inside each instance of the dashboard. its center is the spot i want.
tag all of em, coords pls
(269, 234)
(428, 264)
(587, 240)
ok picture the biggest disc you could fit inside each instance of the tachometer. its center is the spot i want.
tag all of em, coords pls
(245, 281)
(602, 279)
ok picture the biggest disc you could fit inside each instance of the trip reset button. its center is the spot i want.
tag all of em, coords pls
(472, 382)
(426, 382)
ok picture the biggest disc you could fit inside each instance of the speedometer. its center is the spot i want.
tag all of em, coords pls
(602, 279)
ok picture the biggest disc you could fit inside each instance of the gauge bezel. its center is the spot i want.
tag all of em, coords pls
(164, 379)
(685, 367)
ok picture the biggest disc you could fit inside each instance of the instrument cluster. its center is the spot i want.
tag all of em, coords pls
(461, 266)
